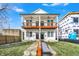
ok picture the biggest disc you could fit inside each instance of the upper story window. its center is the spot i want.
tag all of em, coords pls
(48, 20)
(42, 23)
(27, 20)
(75, 19)
(51, 20)
(37, 23)
(30, 20)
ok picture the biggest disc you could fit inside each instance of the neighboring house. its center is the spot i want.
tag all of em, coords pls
(39, 25)
(69, 23)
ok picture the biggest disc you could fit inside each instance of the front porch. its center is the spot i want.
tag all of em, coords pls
(44, 35)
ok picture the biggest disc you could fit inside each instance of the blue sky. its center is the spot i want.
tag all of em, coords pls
(58, 8)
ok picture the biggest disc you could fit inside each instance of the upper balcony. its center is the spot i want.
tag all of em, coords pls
(42, 26)
(42, 21)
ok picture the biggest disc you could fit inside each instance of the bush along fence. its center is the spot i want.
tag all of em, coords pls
(9, 39)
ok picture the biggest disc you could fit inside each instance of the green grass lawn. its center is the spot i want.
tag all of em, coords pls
(65, 48)
(14, 49)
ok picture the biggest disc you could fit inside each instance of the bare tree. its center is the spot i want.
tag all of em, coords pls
(3, 15)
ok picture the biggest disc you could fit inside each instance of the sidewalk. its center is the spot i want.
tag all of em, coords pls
(47, 50)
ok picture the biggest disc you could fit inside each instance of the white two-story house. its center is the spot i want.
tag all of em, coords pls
(39, 25)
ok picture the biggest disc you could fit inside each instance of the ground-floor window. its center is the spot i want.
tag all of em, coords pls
(28, 34)
(23, 35)
(50, 34)
(77, 31)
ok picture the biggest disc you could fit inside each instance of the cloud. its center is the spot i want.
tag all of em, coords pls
(53, 4)
(65, 4)
(56, 4)
(18, 9)
(45, 4)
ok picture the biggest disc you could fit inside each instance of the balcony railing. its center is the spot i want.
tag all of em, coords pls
(37, 27)
(31, 23)
(32, 26)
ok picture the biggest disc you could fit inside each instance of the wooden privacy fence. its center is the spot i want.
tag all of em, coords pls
(9, 39)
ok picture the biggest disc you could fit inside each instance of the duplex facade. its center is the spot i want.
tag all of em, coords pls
(39, 25)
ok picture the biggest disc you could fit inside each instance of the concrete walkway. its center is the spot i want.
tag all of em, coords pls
(47, 50)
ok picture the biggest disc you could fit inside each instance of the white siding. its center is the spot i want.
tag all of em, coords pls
(67, 24)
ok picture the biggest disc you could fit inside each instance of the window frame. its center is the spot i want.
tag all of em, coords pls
(30, 34)
(48, 33)
(75, 19)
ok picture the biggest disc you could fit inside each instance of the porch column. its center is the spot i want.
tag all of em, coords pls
(39, 28)
(22, 30)
(57, 27)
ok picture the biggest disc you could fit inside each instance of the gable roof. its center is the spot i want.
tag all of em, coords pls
(69, 13)
(39, 11)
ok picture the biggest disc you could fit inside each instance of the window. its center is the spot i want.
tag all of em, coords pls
(51, 20)
(75, 19)
(76, 30)
(48, 21)
(27, 34)
(66, 31)
(42, 23)
(37, 23)
(48, 34)
(30, 34)
(23, 35)
(27, 20)
(30, 20)
(51, 34)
